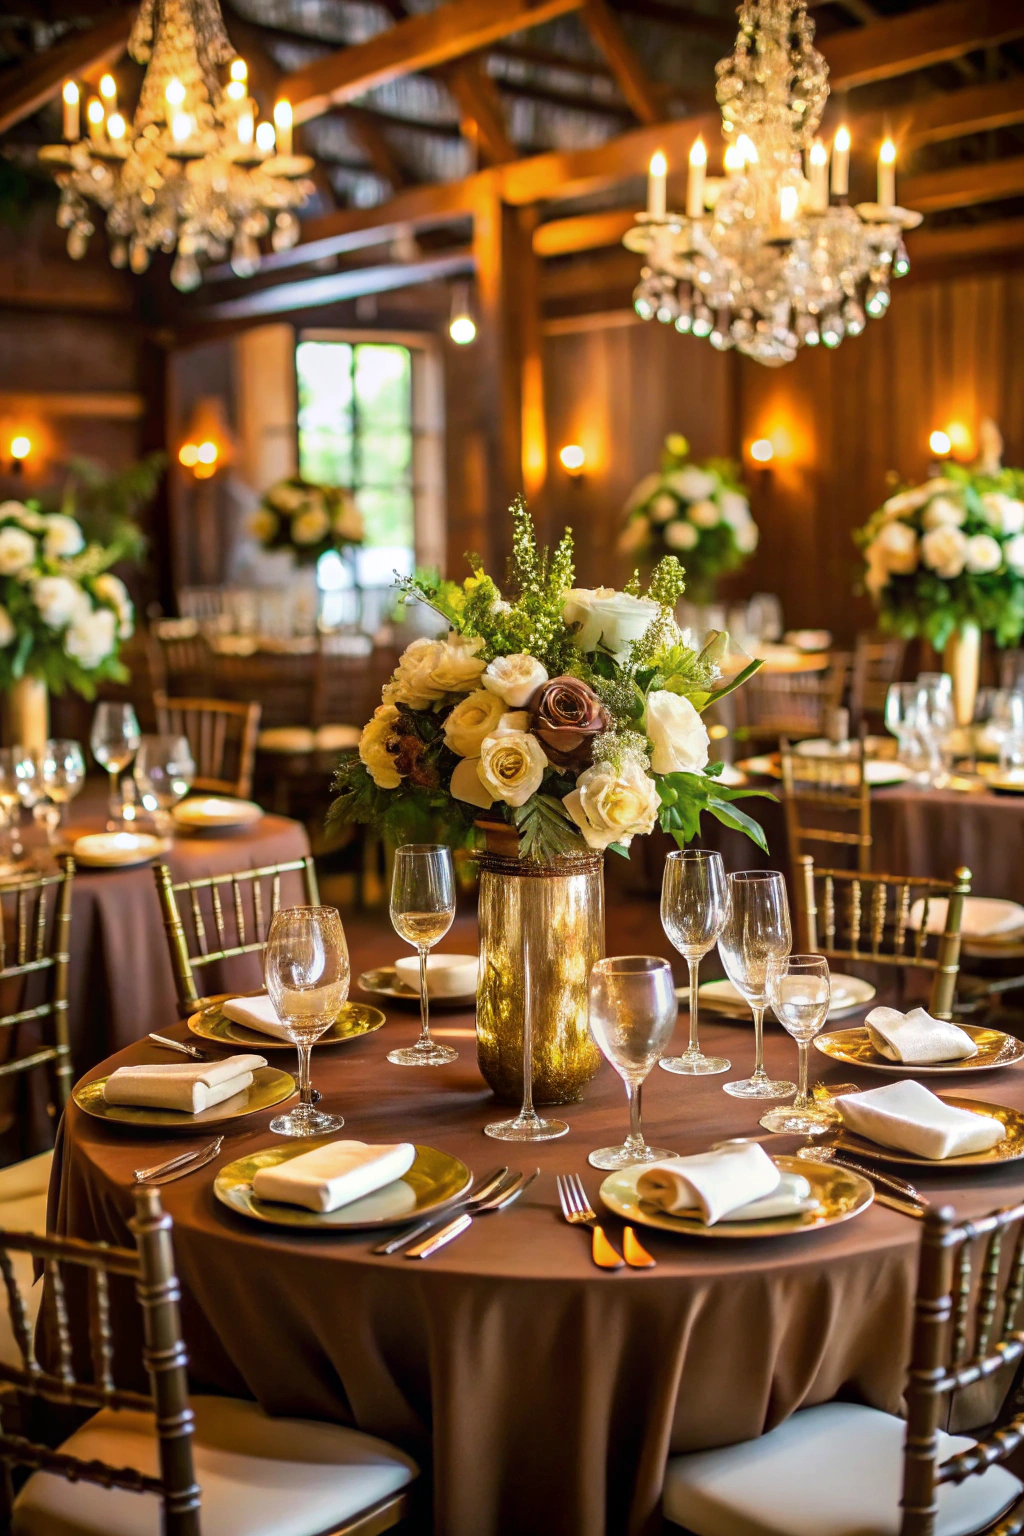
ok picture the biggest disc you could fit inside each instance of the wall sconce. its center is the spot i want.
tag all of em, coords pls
(461, 325)
(940, 445)
(762, 451)
(200, 458)
(572, 459)
(21, 447)
(207, 446)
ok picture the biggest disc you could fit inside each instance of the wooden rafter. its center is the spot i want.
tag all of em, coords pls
(479, 108)
(961, 186)
(948, 115)
(382, 157)
(41, 80)
(335, 288)
(918, 39)
(607, 32)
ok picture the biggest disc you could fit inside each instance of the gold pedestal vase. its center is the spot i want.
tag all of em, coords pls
(28, 713)
(962, 660)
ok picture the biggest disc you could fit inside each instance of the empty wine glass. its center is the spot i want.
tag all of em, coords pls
(163, 772)
(10, 799)
(114, 741)
(900, 700)
(306, 970)
(801, 992)
(422, 911)
(694, 908)
(757, 934)
(633, 1012)
(63, 766)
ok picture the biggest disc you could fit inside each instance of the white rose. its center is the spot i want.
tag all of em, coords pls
(1013, 553)
(681, 536)
(877, 575)
(909, 501)
(746, 537)
(288, 498)
(429, 669)
(704, 514)
(610, 807)
(17, 550)
(897, 547)
(7, 630)
(642, 490)
(662, 508)
(312, 526)
(609, 618)
(944, 512)
(691, 483)
(59, 600)
(1005, 513)
(735, 508)
(515, 679)
(944, 550)
(111, 589)
(91, 638)
(984, 554)
(473, 718)
(378, 734)
(677, 733)
(63, 537)
(512, 765)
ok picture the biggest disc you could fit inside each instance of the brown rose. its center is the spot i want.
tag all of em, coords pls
(565, 716)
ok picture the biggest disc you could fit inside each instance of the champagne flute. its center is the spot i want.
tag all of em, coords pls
(527, 1125)
(756, 935)
(63, 774)
(633, 1011)
(422, 911)
(163, 772)
(801, 992)
(694, 909)
(114, 741)
(306, 970)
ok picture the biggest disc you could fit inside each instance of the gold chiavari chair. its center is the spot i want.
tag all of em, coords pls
(215, 1463)
(33, 946)
(179, 655)
(791, 704)
(236, 933)
(222, 735)
(826, 788)
(877, 661)
(837, 1470)
(857, 922)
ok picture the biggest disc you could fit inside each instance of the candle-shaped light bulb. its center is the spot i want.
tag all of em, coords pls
(656, 174)
(94, 113)
(735, 161)
(747, 149)
(696, 179)
(175, 93)
(789, 203)
(817, 175)
(237, 90)
(115, 126)
(841, 162)
(283, 124)
(239, 70)
(887, 174)
(265, 137)
(181, 127)
(246, 123)
(108, 90)
(71, 118)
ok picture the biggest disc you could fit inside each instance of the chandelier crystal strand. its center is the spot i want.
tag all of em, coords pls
(761, 260)
(189, 176)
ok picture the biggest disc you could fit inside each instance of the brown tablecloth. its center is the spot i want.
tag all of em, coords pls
(547, 1392)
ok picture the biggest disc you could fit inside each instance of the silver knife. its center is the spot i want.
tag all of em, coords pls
(432, 1244)
(180, 1173)
(896, 1204)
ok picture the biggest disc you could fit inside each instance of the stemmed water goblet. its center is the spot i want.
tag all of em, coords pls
(114, 741)
(900, 701)
(801, 992)
(306, 970)
(10, 800)
(422, 911)
(163, 771)
(756, 936)
(694, 908)
(633, 1011)
(63, 774)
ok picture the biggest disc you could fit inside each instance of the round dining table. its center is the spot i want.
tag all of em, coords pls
(538, 1392)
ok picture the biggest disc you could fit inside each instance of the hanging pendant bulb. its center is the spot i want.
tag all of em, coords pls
(245, 255)
(286, 232)
(118, 254)
(138, 257)
(185, 273)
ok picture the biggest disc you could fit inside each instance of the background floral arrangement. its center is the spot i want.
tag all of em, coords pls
(698, 511)
(573, 714)
(949, 552)
(63, 613)
(307, 519)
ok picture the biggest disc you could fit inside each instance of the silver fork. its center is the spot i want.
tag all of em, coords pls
(495, 1202)
(144, 1175)
(578, 1212)
(482, 1191)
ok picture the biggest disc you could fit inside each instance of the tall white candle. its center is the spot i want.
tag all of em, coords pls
(817, 175)
(283, 124)
(72, 126)
(841, 163)
(887, 174)
(94, 113)
(656, 174)
(696, 179)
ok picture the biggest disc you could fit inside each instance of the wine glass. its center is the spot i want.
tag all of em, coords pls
(801, 992)
(756, 935)
(163, 771)
(422, 911)
(694, 908)
(633, 1011)
(306, 970)
(900, 700)
(114, 741)
(934, 719)
(63, 767)
(10, 798)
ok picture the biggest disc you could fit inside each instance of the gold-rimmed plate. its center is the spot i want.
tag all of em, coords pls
(853, 1046)
(211, 1023)
(1009, 1150)
(385, 982)
(435, 1181)
(841, 1195)
(268, 1088)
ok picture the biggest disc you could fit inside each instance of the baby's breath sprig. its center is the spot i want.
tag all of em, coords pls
(622, 749)
(668, 582)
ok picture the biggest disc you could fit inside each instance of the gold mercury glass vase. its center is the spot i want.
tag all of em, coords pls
(553, 911)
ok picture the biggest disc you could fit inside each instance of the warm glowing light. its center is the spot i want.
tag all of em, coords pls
(960, 439)
(745, 145)
(188, 454)
(572, 458)
(819, 154)
(698, 153)
(789, 202)
(94, 111)
(462, 330)
(734, 159)
(239, 69)
(108, 88)
(237, 90)
(283, 124)
(659, 165)
(887, 153)
(245, 127)
(175, 93)
(70, 93)
(181, 127)
(206, 453)
(761, 451)
(266, 138)
(21, 447)
(940, 444)
(842, 140)
(115, 125)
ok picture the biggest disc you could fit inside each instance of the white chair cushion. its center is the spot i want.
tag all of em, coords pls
(259, 1476)
(337, 738)
(31, 1177)
(23, 1188)
(836, 1470)
(286, 738)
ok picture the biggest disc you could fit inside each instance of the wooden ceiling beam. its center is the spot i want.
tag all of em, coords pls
(40, 80)
(383, 160)
(919, 39)
(948, 115)
(962, 241)
(963, 186)
(333, 288)
(636, 86)
(479, 104)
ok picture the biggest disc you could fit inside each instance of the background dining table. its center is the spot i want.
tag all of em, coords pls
(546, 1394)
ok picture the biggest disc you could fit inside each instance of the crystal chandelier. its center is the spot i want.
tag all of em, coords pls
(763, 260)
(193, 172)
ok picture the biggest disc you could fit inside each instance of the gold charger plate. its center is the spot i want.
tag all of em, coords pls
(384, 982)
(210, 1023)
(1009, 1150)
(268, 1088)
(434, 1181)
(854, 1047)
(842, 1195)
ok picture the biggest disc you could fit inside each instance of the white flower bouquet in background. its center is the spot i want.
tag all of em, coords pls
(699, 512)
(307, 519)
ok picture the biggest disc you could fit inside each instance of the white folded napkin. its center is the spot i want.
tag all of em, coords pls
(334, 1175)
(915, 1038)
(984, 916)
(191, 1087)
(710, 1184)
(906, 1116)
(256, 1013)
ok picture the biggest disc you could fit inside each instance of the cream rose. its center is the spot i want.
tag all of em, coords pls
(91, 638)
(944, 550)
(378, 733)
(312, 526)
(677, 733)
(610, 807)
(681, 536)
(466, 784)
(1013, 553)
(63, 537)
(984, 554)
(877, 573)
(429, 669)
(263, 524)
(746, 536)
(662, 508)
(692, 484)
(909, 501)
(512, 765)
(473, 718)
(643, 490)
(7, 629)
(17, 550)
(704, 514)
(1005, 513)
(606, 617)
(59, 600)
(896, 546)
(34, 521)
(515, 679)
(943, 512)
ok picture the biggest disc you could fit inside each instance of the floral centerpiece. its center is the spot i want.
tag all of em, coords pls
(308, 519)
(698, 511)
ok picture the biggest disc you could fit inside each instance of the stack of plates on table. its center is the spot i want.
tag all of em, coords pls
(849, 995)
(212, 1023)
(215, 812)
(989, 925)
(854, 1047)
(267, 1089)
(117, 850)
